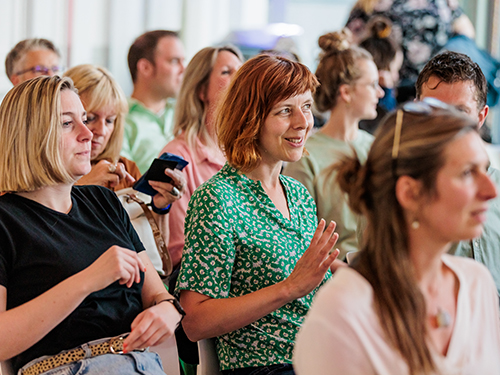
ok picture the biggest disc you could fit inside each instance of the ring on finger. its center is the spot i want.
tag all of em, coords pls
(175, 192)
(112, 168)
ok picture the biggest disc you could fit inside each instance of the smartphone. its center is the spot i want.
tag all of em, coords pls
(156, 172)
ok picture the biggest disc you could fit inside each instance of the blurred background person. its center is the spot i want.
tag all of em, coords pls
(423, 27)
(32, 58)
(455, 79)
(388, 57)
(106, 108)
(156, 64)
(405, 306)
(206, 77)
(350, 92)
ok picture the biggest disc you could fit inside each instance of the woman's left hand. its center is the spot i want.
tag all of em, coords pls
(153, 326)
(169, 192)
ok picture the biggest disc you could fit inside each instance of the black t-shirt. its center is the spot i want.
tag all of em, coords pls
(40, 247)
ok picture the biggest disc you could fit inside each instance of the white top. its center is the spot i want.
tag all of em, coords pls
(342, 335)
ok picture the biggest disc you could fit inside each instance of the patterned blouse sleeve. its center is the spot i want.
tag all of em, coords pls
(209, 250)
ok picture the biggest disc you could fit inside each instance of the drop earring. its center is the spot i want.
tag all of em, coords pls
(415, 224)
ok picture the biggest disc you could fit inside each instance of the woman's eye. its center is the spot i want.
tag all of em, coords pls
(90, 119)
(66, 124)
(307, 106)
(110, 121)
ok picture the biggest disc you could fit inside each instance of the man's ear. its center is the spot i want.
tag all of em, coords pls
(15, 79)
(145, 67)
(345, 92)
(482, 115)
(409, 193)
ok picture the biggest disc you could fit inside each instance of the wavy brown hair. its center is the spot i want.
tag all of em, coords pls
(256, 88)
(384, 257)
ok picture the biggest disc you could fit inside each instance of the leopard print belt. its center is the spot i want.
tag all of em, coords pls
(113, 345)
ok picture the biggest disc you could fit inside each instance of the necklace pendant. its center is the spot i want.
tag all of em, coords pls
(443, 318)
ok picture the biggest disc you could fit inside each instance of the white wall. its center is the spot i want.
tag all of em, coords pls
(101, 31)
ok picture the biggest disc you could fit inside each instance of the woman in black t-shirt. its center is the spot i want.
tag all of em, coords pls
(72, 269)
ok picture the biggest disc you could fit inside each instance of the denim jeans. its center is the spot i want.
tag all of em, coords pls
(279, 369)
(146, 363)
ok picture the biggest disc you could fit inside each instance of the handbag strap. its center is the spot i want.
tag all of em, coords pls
(160, 242)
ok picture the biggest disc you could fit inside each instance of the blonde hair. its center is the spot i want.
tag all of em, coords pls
(338, 66)
(384, 259)
(190, 111)
(30, 135)
(100, 90)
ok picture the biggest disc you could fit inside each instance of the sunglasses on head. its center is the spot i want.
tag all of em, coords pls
(422, 107)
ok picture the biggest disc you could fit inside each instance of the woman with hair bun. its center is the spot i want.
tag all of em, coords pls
(388, 57)
(350, 92)
(404, 306)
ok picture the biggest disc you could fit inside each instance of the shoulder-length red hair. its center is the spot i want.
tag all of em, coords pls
(257, 87)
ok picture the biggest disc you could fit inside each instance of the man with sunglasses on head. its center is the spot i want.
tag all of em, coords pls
(455, 79)
(31, 58)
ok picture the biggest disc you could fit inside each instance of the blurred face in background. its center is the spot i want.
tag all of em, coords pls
(36, 63)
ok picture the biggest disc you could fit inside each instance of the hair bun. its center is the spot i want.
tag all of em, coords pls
(336, 41)
(379, 27)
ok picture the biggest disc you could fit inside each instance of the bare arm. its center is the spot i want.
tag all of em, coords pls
(208, 317)
(159, 320)
(463, 26)
(23, 326)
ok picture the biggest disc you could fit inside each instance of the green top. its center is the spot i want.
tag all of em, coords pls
(146, 133)
(315, 172)
(238, 242)
(486, 249)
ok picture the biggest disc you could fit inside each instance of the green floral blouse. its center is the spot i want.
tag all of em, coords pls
(238, 242)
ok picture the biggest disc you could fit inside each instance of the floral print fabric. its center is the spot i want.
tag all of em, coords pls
(238, 242)
(422, 26)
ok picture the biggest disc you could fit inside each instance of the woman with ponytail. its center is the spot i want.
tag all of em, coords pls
(405, 306)
(349, 92)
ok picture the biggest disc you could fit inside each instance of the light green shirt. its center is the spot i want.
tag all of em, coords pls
(486, 249)
(146, 133)
(238, 242)
(316, 173)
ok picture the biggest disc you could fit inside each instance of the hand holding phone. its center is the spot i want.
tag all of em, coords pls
(156, 172)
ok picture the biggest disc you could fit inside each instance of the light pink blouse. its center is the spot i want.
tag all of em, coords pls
(202, 165)
(342, 334)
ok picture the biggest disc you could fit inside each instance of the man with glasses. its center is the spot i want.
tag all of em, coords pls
(455, 79)
(32, 58)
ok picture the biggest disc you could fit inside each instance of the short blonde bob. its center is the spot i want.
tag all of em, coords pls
(257, 87)
(30, 135)
(98, 89)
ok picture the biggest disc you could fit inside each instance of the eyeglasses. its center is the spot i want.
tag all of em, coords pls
(40, 69)
(423, 107)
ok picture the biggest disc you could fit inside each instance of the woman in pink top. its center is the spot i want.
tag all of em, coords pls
(404, 306)
(206, 77)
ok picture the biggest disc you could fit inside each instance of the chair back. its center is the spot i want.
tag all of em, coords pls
(6, 368)
(209, 363)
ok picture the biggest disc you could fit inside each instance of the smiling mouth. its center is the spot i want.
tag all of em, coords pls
(294, 140)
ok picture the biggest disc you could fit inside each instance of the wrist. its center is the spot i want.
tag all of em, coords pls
(174, 302)
(160, 211)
